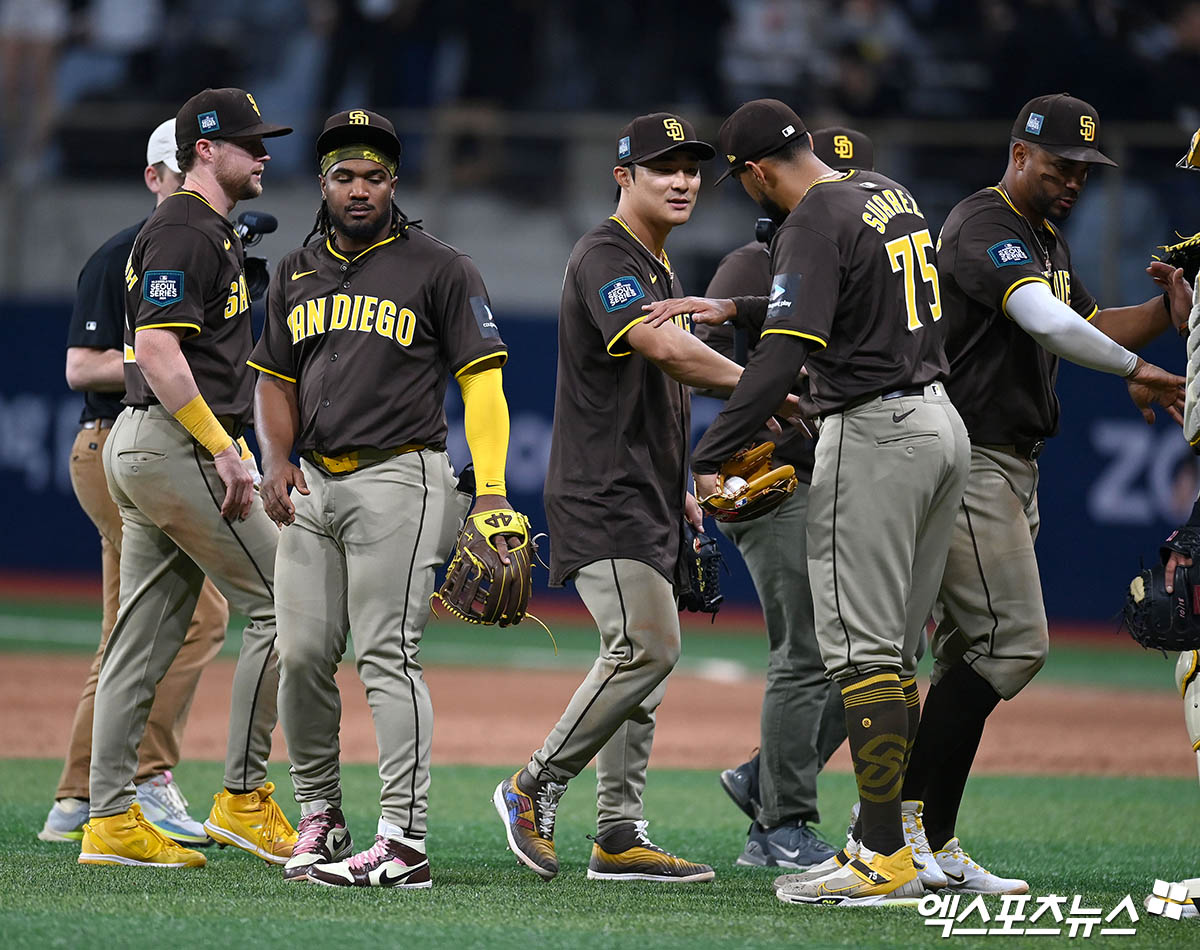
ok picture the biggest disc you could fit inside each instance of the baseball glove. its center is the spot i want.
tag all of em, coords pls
(748, 487)
(1161, 621)
(1185, 254)
(479, 587)
(703, 561)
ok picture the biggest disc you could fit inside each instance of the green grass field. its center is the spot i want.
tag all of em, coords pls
(1102, 838)
(728, 646)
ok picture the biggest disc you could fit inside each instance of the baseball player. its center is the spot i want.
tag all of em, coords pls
(854, 299)
(187, 500)
(95, 366)
(616, 495)
(1013, 305)
(803, 721)
(363, 326)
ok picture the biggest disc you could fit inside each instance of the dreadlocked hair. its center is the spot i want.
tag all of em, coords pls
(323, 225)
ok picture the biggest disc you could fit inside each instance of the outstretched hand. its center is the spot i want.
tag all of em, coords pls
(1149, 384)
(702, 309)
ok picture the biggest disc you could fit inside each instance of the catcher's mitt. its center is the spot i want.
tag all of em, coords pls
(748, 487)
(479, 587)
(1185, 254)
(703, 561)
(1161, 621)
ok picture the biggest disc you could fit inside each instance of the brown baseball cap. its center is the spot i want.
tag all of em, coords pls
(1062, 125)
(359, 127)
(649, 136)
(755, 130)
(222, 114)
(843, 148)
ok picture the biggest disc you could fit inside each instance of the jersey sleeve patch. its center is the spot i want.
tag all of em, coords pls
(782, 299)
(1007, 253)
(484, 318)
(620, 293)
(163, 287)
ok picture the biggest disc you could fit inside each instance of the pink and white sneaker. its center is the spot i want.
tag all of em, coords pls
(323, 838)
(387, 864)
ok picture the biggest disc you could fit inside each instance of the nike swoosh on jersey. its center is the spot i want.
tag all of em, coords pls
(296, 275)
(227, 244)
(654, 278)
(901, 416)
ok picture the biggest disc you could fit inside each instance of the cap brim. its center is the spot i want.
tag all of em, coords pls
(729, 171)
(262, 129)
(703, 151)
(1079, 154)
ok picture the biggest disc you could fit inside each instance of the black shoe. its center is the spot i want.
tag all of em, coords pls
(790, 845)
(741, 784)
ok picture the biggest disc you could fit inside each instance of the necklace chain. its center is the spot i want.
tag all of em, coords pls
(664, 260)
(1046, 264)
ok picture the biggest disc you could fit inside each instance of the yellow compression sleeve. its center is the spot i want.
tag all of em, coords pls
(199, 420)
(485, 418)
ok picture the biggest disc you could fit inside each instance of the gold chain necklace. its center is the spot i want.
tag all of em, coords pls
(1046, 265)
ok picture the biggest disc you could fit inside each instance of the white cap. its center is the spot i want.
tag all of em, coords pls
(161, 147)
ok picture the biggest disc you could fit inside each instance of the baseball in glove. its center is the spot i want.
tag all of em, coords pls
(1161, 621)
(748, 487)
(479, 587)
(703, 561)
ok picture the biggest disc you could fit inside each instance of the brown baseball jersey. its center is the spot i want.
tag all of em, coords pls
(619, 452)
(855, 276)
(747, 271)
(186, 273)
(1002, 380)
(368, 339)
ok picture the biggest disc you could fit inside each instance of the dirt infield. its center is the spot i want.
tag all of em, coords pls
(497, 717)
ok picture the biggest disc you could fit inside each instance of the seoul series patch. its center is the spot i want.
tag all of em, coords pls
(1009, 252)
(620, 293)
(623, 147)
(208, 122)
(484, 318)
(1034, 125)
(163, 287)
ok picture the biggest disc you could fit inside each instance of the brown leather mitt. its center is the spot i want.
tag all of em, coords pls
(479, 587)
(748, 487)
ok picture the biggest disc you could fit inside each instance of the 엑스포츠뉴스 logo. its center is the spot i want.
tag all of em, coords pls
(620, 293)
(163, 287)
(1007, 253)
(1034, 125)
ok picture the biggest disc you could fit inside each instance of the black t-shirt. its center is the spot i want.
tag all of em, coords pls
(746, 271)
(369, 339)
(854, 275)
(98, 317)
(619, 453)
(186, 272)
(1001, 379)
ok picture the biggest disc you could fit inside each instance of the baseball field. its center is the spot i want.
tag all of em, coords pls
(1085, 787)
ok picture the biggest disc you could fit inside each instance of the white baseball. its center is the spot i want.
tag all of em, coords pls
(734, 485)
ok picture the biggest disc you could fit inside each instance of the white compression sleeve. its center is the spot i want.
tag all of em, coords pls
(1064, 332)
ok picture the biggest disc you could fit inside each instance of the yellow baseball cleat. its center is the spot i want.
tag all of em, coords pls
(867, 879)
(131, 840)
(626, 853)
(252, 822)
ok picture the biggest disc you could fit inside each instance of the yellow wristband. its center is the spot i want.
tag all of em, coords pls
(244, 449)
(199, 420)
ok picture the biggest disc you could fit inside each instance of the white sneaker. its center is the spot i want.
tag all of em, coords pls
(928, 870)
(164, 807)
(65, 821)
(964, 876)
(828, 866)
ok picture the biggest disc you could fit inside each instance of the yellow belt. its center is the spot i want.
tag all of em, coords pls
(360, 458)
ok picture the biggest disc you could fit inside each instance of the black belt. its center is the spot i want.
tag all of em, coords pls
(231, 424)
(878, 394)
(1026, 450)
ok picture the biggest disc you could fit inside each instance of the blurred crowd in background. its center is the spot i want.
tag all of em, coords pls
(75, 69)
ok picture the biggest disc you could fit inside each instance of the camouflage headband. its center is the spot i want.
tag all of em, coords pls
(347, 152)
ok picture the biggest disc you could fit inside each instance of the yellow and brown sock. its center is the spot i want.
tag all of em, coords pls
(912, 700)
(877, 727)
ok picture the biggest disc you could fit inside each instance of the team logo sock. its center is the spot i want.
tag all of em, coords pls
(877, 726)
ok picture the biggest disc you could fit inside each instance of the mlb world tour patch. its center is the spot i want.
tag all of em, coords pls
(163, 287)
(1009, 252)
(620, 293)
